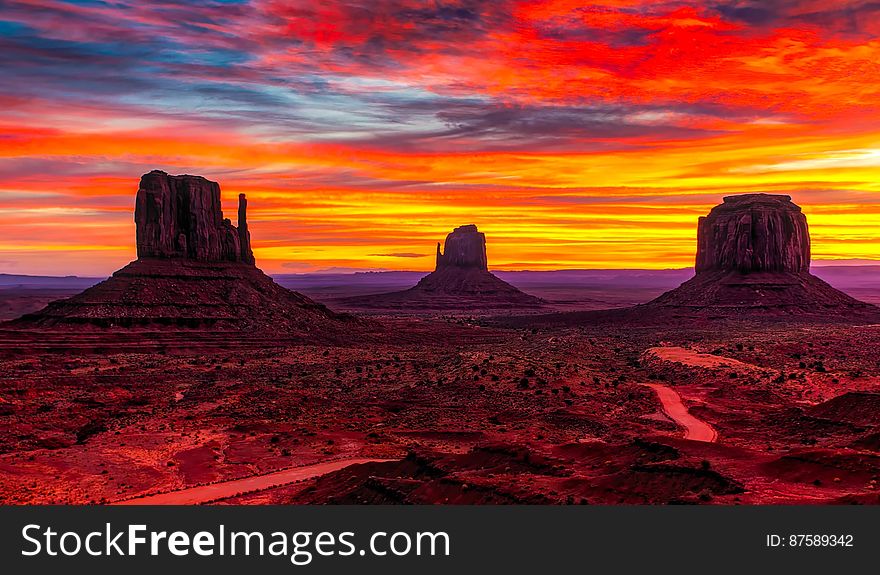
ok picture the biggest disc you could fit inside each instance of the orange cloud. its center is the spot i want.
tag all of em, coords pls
(574, 136)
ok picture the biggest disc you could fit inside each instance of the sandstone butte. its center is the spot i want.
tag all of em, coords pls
(181, 217)
(753, 254)
(461, 280)
(195, 270)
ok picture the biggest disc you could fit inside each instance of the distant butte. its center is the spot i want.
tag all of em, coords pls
(465, 247)
(753, 256)
(462, 269)
(461, 281)
(752, 263)
(194, 270)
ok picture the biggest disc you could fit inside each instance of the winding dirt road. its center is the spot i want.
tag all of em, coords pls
(215, 491)
(694, 429)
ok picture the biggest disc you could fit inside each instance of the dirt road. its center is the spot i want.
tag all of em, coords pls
(694, 428)
(692, 358)
(215, 491)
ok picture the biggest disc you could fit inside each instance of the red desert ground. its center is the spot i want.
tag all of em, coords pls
(189, 376)
(440, 252)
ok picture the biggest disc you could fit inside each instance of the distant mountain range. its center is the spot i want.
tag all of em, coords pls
(46, 282)
(848, 276)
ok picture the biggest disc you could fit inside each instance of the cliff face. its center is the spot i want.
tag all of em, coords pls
(465, 248)
(181, 217)
(754, 233)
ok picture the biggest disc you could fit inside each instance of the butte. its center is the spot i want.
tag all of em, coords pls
(753, 258)
(461, 281)
(752, 263)
(194, 270)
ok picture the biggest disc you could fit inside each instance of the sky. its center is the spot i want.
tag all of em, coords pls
(574, 134)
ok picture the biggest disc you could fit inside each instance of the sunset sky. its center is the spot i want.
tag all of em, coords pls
(575, 134)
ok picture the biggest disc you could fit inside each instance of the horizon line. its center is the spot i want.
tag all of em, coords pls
(822, 263)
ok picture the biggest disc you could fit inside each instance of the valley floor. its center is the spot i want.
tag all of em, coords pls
(447, 410)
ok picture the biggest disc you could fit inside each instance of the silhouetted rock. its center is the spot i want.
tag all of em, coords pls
(465, 248)
(181, 217)
(754, 233)
(753, 253)
(244, 236)
(753, 261)
(461, 281)
(462, 269)
(194, 270)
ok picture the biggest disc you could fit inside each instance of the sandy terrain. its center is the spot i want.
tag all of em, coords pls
(692, 358)
(467, 413)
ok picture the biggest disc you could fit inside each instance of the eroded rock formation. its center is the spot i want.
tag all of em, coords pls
(754, 233)
(244, 235)
(753, 255)
(460, 281)
(195, 270)
(181, 217)
(465, 248)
